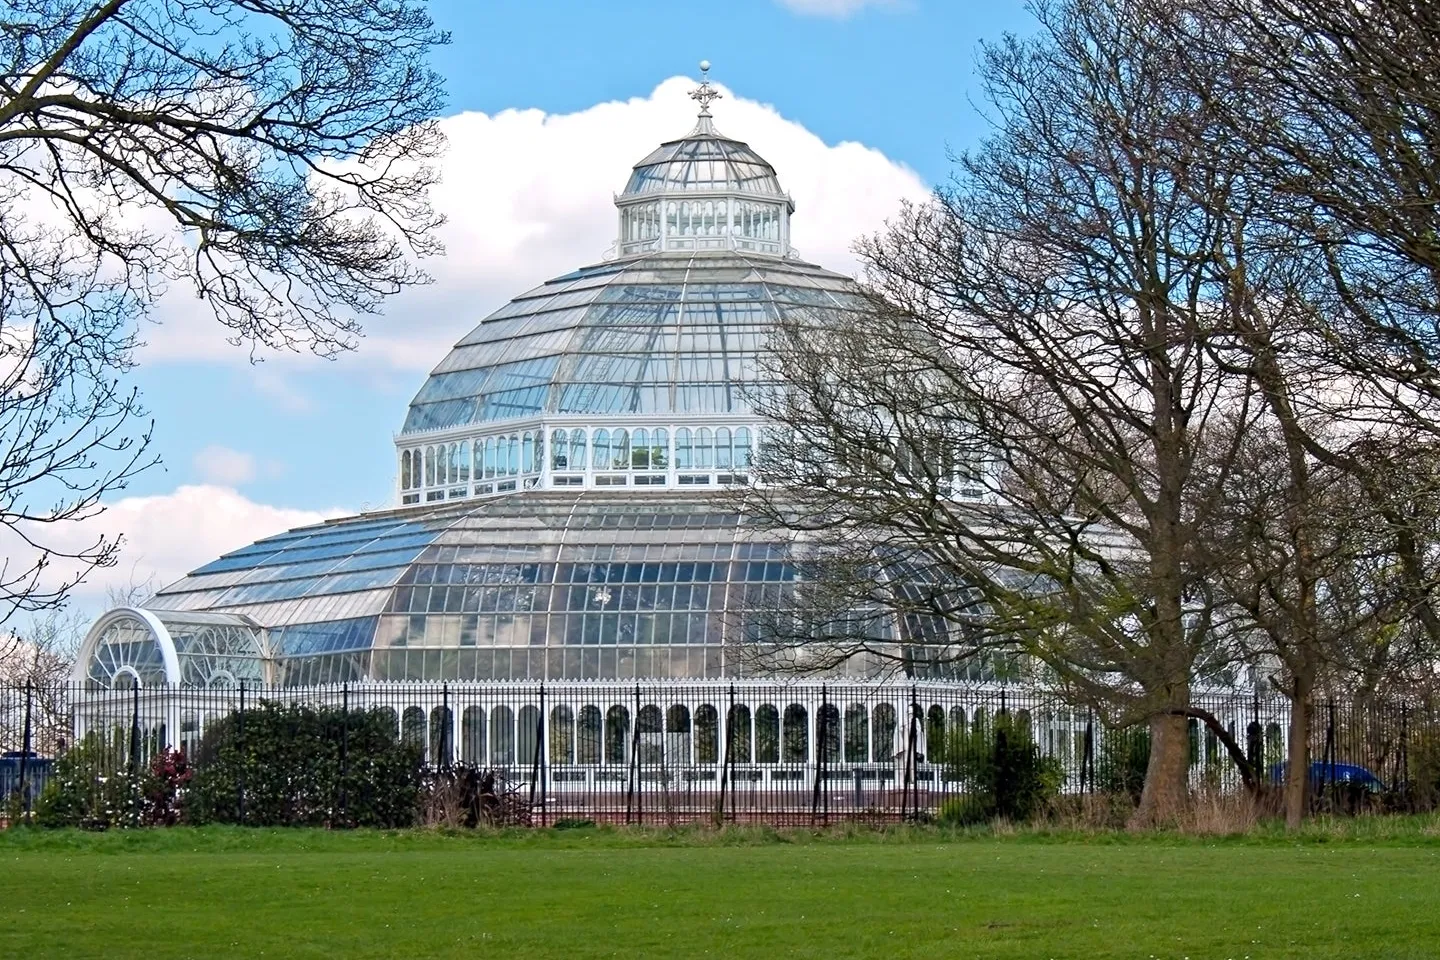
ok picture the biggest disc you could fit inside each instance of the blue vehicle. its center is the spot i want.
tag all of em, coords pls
(1324, 774)
(37, 771)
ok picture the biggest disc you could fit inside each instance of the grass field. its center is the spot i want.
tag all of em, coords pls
(584, 893)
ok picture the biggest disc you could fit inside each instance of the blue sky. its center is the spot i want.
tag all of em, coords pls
(550, 101)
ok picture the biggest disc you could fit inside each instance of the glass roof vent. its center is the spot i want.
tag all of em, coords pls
(704, 192)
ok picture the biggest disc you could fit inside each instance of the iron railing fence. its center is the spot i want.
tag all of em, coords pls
(781, 753)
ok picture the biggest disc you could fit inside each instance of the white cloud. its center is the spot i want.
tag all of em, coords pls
(168, 535)
(529, 197)
(832, 8)
(223, 466)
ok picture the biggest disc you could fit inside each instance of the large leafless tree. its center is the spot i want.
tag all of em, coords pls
(1057, 316)
(265, 158)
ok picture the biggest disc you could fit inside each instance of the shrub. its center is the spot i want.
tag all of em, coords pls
(1002, 772)
(287, 763)
(92, 787)
(465, 795)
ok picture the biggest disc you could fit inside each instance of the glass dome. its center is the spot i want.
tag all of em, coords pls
(660, 334)
(552, 475)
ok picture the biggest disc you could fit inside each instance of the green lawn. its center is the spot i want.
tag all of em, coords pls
(572, 894)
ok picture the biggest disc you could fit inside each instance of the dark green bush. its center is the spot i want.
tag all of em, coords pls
(1001, 771)
(286, 762)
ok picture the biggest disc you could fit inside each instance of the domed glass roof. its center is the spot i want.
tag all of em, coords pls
(657, 334)
(574, 540)
(704, 161)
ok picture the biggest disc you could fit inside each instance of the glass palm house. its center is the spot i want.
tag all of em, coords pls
(556, 513)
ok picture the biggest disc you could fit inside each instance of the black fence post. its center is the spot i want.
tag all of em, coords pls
(819, 759)
(1403, 761)
(27, 744)
(729, 754)
(344, 752)
(635, 791)
(540, 766)
(240, 749)
(447, 727)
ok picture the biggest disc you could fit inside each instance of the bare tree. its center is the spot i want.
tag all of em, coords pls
(268, 157)
(1049, 332)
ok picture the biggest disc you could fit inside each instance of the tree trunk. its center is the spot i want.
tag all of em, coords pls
(1297, 752)
(1166, 794)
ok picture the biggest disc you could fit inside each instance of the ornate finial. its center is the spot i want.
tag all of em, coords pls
(705, 93)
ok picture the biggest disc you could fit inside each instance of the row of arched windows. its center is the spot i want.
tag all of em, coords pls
(704, 218)
(646, 449)
(642, 449)
(673, 736)
(453, 463)
(757, 221)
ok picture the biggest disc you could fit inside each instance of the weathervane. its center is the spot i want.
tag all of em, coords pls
(705, 93)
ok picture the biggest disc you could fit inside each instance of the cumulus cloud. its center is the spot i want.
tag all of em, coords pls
(832, 8)
(529, 196)
(168, 535)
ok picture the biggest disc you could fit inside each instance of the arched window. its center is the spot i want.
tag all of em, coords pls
(429, 466)
(472, 735)
(767, 734)
(828, 732)
(588, 735)
(722, 219)
(677, 734)
(660, 449)
(742, 448)
(640, 449)
(672, 227)
(405, 470)
(795, 735)
(935, 733)
(884, 726)
(704, 448)
(443, 455)
(412, 728)
(957, 721)
(527, 735)
(489, 458)
(502, 735)
(600, 450)
(562, 734)
(685, 218)
(738, 730)
(513, 464)
(617, 734)
(442, 734)
(620, 450)
(707, 734)
(577, 449)
(857, 734)
(722, 448)
(683, 452)
(650, 730)
(559, 451)
(527, 453)
(391, 721)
